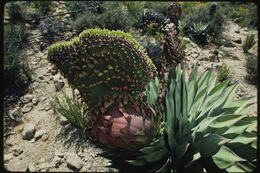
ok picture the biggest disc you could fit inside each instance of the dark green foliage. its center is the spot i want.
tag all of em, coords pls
(113, 16)
(44, 6)
(249, 42)
(116, 17)
(224, 73)
(105, 66)
(16, 70)
(251, 66)
(15, 11)
(161, 7)
(84, 21)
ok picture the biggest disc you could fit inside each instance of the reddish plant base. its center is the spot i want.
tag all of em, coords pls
(122, 128)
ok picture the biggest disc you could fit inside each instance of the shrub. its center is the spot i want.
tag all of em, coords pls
(44, 6)
(249, 42)
(72, 108)
(75, 5)
(116, 16)
(251, 66)
(161, 7)
(14, 10)
(136, 9)
(17, 73)
(84, 21)
(224, 73)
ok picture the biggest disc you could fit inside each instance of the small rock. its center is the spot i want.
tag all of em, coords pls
(35, 101)
(27, 98)
(59, 154)
(47, 107)
(8, 157)
(45, 137)
(28, 131)
(74, 161)
(237, 31)
(63, 120)
(17, 151)
(238, 41)
(51, 78)
(41, 108)
(33, 140)
(56, 162)
(57, 77)
(194, 55)
(31, 167)
(27, 108)
(41, 77)
(43, 98)
(17, 165)
(59, 84)
(39, 134)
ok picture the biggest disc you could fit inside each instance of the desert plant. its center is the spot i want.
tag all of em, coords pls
(72, 108)
(249, 42)
(17, 73)
(107, 67)
(251, 66)
(14, 11)
(224, 73)
(199, 34)
(205, 130)
(44, 6)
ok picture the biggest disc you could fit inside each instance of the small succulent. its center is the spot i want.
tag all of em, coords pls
(205, 130)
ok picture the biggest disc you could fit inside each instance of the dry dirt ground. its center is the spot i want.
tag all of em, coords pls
(59, 143)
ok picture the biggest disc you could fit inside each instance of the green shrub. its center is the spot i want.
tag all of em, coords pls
(161, 7)
(136, 9)
(116, 16)
(84, 21)
(72, 108)
(251, 66)
(75, 5)
(17, 73)
(224, 73)
(249, 42)
(44, 6)
(14, 10)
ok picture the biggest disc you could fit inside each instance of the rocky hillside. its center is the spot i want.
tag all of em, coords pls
(43, 140)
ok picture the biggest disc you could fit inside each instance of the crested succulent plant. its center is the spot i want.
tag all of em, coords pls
(105, 66)
(204, 128)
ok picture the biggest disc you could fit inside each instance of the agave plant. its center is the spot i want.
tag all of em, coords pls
(205, 129)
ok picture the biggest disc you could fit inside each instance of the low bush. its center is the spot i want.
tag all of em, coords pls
(86, 20)
(44, 6)
(71, 108)
(161, 7)
(224, 73)
(17, 73)
(14, 11)
(249, 42)
(251, 66)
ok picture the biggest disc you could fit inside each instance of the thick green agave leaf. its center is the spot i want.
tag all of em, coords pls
(153, 91)
(192, 86)
(225, 158)
(215, 142)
